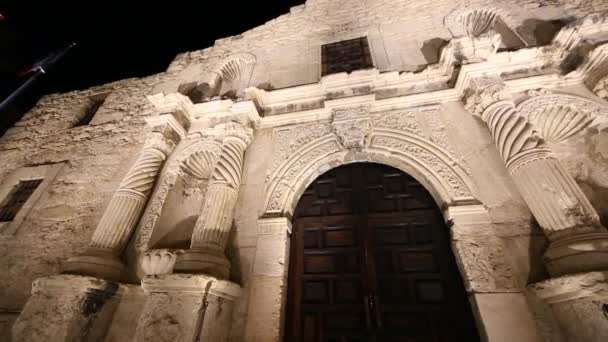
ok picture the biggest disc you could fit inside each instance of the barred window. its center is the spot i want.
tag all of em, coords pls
(16, 198)
(346, 56)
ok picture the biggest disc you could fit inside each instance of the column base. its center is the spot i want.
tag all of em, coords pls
(98, 263)
(67, 308)
(577, 254)
(186, 308)
(199, 261)
(580, 304)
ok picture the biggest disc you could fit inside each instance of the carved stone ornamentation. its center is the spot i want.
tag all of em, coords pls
(212, 229)
(478, 21)
(122, 214)
(159, 261)
(178, 162)
(352, 126)
(578, 240)
(288, 141)
(400, 120)
(517, 141)
(560, 116)
(601, 88)
(232, 67)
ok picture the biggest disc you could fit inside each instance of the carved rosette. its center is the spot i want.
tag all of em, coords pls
(517, 141)
(352, 126)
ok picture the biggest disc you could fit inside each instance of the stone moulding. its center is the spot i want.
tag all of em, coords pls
(434, 83)
(572, 287)
(559, 116)
(443, 176)
(191, 283)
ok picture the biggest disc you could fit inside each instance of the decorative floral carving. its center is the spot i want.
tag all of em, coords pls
(484, 92)
(352, 126)
(287, 141)
(439, 167)
(159, 261)
(281, 184)
(400, 120)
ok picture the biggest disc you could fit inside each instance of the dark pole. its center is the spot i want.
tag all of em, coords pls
(40, 69)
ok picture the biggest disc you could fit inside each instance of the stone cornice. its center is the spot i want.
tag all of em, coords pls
(462, 59)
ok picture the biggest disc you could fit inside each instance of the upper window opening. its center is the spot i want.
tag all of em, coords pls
(95, 103)
(346, 56)
(17, 198)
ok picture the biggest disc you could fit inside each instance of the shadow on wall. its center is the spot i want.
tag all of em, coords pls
(543, 31)
(585, 156)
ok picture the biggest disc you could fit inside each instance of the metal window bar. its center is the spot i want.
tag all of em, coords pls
(346, 56)
(16, 198)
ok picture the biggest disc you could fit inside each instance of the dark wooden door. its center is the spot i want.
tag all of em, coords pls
(370, 261)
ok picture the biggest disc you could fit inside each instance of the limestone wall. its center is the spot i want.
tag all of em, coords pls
(95, 158)
(403, 35)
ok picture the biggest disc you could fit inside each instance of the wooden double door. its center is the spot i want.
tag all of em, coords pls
(370, 261)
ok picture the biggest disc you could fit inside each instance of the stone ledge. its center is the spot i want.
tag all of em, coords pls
(190, 284)
(572, 287)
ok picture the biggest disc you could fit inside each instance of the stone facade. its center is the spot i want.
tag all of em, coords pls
(168, 216)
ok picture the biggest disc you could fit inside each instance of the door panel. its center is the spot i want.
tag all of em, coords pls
(371, 261)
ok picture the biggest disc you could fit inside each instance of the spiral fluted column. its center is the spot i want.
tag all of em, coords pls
(578, 240)
(213, 227)
(101, 259)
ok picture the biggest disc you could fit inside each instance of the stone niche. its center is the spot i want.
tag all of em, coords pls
(179, 213)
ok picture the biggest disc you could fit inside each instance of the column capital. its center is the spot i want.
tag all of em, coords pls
(484, 92)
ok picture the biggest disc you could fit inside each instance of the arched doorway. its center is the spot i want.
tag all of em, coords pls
(370, 261)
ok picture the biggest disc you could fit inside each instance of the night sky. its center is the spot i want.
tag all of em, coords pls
(115, 39)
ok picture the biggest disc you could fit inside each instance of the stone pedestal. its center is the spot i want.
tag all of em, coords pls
(67, 308)
(580, 303)
(186, 308)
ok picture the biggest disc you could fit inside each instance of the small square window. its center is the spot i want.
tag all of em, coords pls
(346, 56)
(17, 198)
(95, 103)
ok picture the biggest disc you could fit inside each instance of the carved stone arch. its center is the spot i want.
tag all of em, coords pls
(440, 174)
(188, 158)
(559, 116)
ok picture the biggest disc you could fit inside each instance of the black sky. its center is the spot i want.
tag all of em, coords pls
(116, 39)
